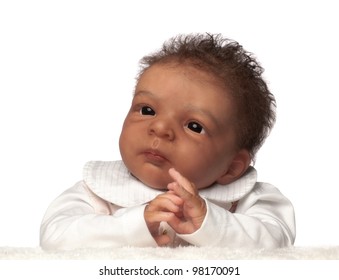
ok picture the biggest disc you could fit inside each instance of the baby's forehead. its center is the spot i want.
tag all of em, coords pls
(195, 73)
(198, 79)
(185, 86)
(186, 68)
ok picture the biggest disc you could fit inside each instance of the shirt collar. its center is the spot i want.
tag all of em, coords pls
(112, 181)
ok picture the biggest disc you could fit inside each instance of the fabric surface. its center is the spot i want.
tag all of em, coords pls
(180, 253)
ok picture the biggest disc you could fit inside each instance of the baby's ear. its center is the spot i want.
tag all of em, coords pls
(237, 168)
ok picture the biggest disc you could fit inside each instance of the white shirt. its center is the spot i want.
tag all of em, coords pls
(106, 209)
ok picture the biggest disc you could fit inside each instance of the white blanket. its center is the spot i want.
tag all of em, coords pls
(181, 253)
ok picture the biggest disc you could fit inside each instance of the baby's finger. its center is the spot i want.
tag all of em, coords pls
(182, 181)
(157, 216)
(190, 200)
(179, 190)
(162, 240)
(167, 202)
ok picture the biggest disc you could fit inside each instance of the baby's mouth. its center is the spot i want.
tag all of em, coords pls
(155, 156)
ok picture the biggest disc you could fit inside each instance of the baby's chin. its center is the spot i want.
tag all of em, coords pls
(153, 183)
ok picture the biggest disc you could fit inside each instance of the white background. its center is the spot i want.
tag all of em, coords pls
(67, 73)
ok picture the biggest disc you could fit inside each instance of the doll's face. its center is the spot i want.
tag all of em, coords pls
(178, 118)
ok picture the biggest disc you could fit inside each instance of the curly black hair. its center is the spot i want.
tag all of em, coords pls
(238, 72)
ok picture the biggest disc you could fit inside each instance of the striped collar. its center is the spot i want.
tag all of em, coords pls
(112, 181)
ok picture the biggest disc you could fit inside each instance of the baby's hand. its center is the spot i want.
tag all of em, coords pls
(193, 210)
(162, 208)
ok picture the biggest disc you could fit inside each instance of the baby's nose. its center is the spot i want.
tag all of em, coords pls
(162, 128)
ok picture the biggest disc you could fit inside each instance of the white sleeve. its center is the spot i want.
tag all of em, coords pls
(71, 222)
(263, 219)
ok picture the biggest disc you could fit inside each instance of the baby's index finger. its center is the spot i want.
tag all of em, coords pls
(182, 181)
(174, 174)
(179, 190)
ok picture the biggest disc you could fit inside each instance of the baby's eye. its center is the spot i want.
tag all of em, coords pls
(146, 110)
(196, 127)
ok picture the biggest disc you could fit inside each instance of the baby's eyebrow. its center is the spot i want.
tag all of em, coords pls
(201, 111)
(145, 93)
